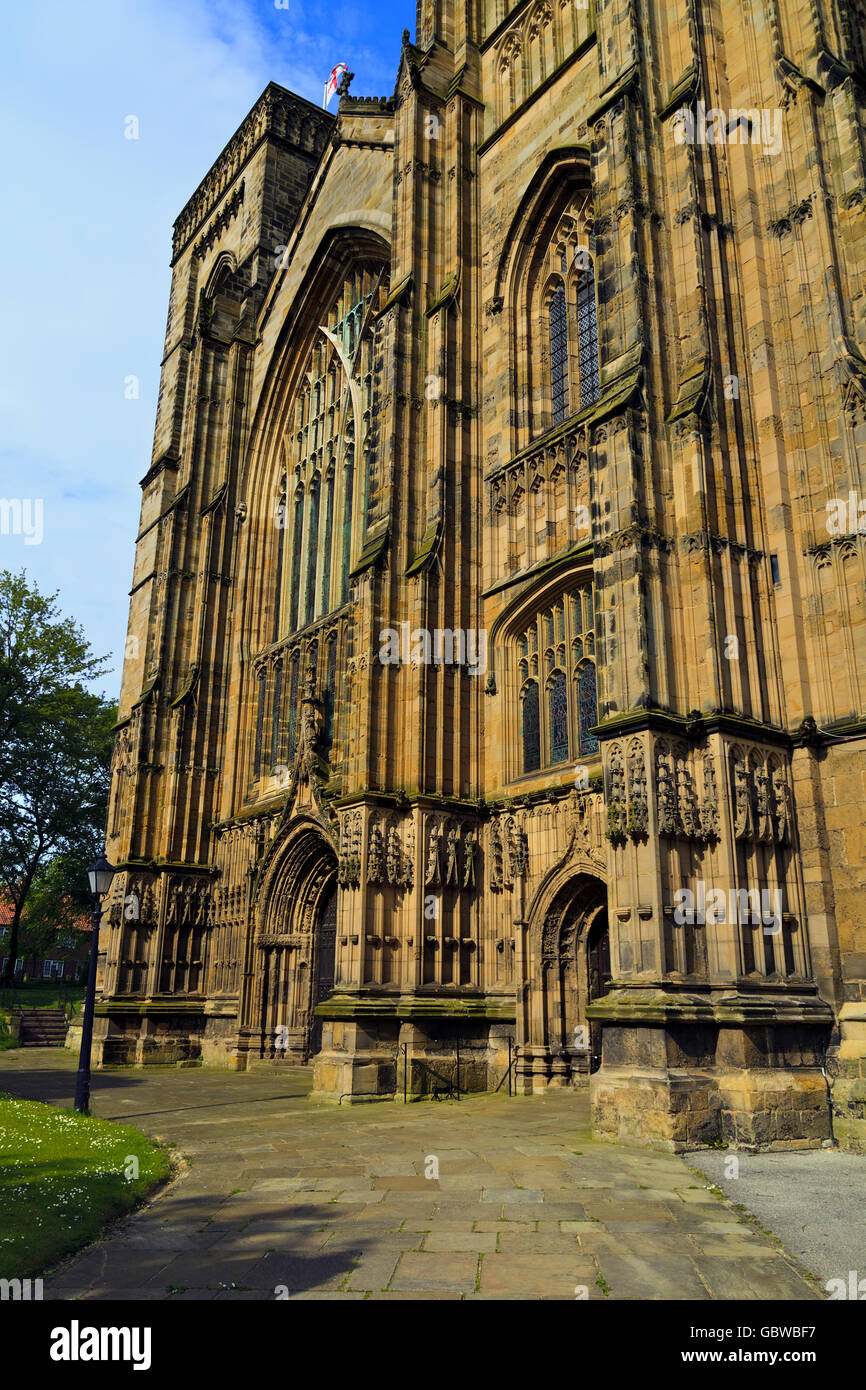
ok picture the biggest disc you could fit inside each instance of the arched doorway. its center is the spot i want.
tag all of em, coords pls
(326, 939)
(567, 964)
(294, 947)
(598, 978)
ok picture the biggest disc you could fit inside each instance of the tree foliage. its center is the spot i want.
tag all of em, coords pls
(55, 750)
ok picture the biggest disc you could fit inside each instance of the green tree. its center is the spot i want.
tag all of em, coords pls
(55, 750)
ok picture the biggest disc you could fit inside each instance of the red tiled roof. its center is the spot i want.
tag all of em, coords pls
(81, 922)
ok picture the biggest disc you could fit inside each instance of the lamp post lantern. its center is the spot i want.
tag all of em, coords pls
(99, 877)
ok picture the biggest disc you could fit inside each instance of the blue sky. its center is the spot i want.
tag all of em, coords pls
(86, 239)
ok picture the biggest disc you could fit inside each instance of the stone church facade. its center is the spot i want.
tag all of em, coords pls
(494, 702)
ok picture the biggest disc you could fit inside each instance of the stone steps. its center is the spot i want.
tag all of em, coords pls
(43, 1027)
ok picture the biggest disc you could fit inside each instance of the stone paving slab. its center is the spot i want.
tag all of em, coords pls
(283, 1197)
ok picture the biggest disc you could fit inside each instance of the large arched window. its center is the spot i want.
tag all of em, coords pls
(320, 438)
(558, 649)
(547, 275)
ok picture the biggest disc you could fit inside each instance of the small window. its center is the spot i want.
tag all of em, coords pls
(774, 569)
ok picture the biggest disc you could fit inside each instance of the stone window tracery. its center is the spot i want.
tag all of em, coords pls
(556, 652)
(321, 437)
(559, 364)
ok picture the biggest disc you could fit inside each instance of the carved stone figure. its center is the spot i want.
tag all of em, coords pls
(470, 847)
(452, 872)
(666, 796)
(433, 875)
(638, 811)
(375, 855)
(616, 800)
(393, 856)
(762, 806)
(496, 867)
(780, 806)
(744, 826)
(710, 805)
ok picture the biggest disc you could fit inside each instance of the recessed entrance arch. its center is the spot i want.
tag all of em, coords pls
(567, 964)
(293, 947)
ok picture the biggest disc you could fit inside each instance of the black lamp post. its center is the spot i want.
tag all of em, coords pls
(99, 875)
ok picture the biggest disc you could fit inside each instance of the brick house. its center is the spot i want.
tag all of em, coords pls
(67, 960)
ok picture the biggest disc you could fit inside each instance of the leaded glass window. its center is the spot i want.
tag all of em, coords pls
(275, 716)
(293, 704)
(558, 354)
(531, 728)
(342, 366)
(330, 691)
(260, 723)
(557, 650)
(558, 718)
(297, 541)
(587, 338)
(587, 707)
(280, 519)
(312, 555)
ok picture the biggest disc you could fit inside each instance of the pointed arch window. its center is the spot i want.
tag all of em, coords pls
(587, 338)
(275, 716)
(558, 354)
(330, 691)
(260, 723)
(281, 519)
(293, 704)
(557, 699)
(312, 554)
(555, 728)
(321, 434)
(587, 707)
(531, 727)
(297, 541)
(547, 275)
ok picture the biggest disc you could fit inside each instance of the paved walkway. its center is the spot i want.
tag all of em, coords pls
(286, 1198)
(814, 1201)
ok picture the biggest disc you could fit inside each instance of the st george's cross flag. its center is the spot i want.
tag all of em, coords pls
(333, 81)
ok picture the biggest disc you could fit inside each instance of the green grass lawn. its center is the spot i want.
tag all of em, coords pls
(43, 994)
(62, 1177)
(37, 994)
